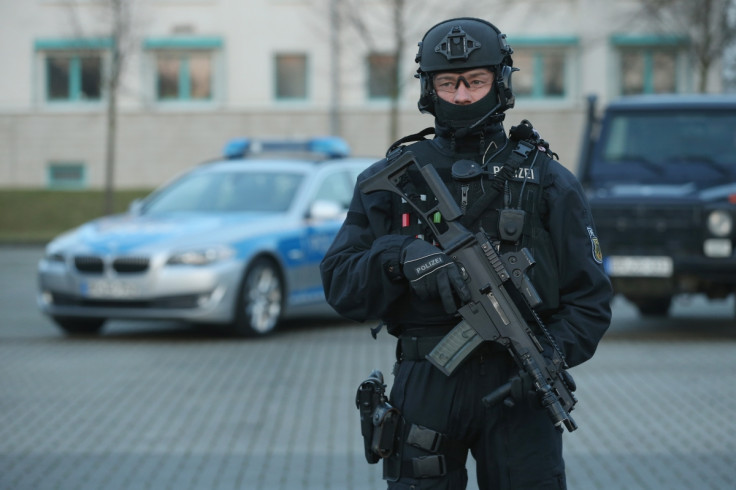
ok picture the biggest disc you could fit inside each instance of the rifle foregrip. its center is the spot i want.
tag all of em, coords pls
(454, 348)
(497, 395)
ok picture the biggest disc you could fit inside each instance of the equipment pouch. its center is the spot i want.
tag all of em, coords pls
(511, 224)
(386, 420)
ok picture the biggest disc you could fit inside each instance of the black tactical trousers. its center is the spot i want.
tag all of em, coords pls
(515, 448)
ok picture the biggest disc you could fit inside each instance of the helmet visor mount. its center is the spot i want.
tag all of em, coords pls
(457, 44)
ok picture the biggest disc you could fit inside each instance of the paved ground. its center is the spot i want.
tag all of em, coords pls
(158, 406)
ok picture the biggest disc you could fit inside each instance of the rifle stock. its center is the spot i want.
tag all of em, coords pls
(491, 314)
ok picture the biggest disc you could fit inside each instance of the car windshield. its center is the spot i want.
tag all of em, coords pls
(665, 142)
(227, 191)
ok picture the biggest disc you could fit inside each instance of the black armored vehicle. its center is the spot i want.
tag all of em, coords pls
(660, 173)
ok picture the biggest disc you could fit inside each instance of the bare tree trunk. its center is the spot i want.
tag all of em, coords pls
(398, 18)
(704, 60)
(335, 79)
(110, 139)
(119, 27)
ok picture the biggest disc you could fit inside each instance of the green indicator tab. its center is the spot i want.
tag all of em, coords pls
(437, 217)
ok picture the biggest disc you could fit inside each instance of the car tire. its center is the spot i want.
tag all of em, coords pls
(79, 326)
(654, 306)
(260, 300)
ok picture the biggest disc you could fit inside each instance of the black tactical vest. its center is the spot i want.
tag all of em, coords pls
(522, 191)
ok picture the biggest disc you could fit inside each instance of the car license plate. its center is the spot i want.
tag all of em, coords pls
(108, 289)
(625, 266)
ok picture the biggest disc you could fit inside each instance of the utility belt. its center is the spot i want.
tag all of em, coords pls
(416, 348)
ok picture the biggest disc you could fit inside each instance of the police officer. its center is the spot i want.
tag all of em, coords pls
(519, 199)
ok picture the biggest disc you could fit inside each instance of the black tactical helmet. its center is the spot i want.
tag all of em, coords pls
(462, 44)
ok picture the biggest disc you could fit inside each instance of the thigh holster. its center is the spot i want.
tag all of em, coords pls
(380, 423)
(442, 455)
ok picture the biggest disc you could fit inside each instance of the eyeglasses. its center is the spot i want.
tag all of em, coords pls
(450, 83)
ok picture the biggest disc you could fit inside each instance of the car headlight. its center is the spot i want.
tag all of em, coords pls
(720, 223)
(55, 257)
(201, 256)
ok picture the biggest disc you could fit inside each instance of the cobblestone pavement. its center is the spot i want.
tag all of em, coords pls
(172, 408)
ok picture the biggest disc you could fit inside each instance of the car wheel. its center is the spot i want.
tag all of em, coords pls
(260, 302)
(79, 326)
(654, 306)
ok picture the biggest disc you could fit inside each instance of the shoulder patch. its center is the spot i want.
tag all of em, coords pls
(595, 246)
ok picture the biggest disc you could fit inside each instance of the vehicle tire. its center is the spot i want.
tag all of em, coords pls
(79, 326)
(654, 306)
(260, 300)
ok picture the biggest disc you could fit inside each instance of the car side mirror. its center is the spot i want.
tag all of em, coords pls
(321, 210)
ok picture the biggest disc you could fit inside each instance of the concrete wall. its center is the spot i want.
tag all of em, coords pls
(154, 147)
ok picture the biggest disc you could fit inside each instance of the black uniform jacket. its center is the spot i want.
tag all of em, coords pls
(362, 276)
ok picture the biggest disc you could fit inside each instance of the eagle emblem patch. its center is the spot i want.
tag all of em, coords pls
(595, 246)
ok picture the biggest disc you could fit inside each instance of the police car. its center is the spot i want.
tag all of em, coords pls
(660, 172)
(236, 242)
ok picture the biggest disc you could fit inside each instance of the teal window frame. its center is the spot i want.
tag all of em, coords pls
(52, 182)
(276, 75)
(373, 76)
(74, 49)
(183, 47)
(540, 47)
(648, 45)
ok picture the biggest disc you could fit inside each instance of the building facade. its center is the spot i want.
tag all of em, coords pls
(199, 72)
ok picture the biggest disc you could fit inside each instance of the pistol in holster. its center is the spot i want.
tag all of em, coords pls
(379, 421)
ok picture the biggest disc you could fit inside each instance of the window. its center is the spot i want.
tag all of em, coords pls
(670, 137)
(72, 69)
(66, 175)
(382, 75)
(543, 67)
(337, 188)
(73, 77)
(183, 68)
(647, 71)
(648, 65)
(183, 76)
(291, 76)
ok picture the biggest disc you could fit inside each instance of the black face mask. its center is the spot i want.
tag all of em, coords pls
(466, 117)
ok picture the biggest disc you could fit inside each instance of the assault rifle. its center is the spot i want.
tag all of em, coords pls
(492, 314)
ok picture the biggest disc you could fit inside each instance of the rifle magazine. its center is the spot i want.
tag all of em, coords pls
(454, 348)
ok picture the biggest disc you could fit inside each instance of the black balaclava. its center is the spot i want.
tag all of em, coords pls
(471, 127)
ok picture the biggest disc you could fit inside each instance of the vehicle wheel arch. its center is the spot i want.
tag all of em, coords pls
(276, 260)
(258, 260)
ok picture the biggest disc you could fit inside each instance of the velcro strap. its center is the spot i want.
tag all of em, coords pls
(429, 466)
(424, 438)
(424, 467)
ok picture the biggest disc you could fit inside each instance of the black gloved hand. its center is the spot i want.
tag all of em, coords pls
(432, 274)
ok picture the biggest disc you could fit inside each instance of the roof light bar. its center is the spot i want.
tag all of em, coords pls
(330, 146)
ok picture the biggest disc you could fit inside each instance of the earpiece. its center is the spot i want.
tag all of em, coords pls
(503, 86)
